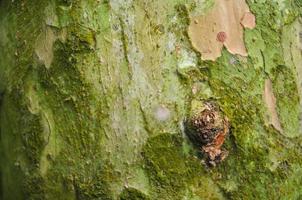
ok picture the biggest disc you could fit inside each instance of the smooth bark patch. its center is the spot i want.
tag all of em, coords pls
(270, 101)
(221, 26)
(44, 45)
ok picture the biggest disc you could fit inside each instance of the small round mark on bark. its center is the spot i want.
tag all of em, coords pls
(221, 36)
(162, 113)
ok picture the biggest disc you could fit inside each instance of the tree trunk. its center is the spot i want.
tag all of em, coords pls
(95, 93)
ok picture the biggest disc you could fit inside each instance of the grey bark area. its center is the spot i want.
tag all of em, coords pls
(95, 96)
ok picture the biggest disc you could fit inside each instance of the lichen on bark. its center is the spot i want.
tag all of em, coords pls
(103, 119)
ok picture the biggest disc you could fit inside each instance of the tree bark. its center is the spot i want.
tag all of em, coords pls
(95, 93)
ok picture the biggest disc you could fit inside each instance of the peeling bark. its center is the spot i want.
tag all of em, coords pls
(270, 101)
(96, 93)
(225, 20)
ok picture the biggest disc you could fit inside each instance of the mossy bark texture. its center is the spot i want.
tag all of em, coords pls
(94, 94)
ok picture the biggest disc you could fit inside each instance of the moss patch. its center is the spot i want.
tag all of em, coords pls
(133, 194)
(286, 91)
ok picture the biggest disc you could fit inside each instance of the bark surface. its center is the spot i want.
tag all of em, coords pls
(94, 95)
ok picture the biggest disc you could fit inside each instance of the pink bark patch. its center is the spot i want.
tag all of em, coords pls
(248, 20)
(221, 26)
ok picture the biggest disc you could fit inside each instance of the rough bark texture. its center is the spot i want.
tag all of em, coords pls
(94, 94)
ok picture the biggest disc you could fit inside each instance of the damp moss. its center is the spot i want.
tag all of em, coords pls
(170, 169)
(34, 187)
(70, 102)
(95, 108)
(132, 194)
(238, 86)
(166, 166)
(285, 89)
(164, 156)
(83, 38)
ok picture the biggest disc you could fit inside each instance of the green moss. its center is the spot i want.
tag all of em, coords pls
(34, 187)
(86, 89)
(166, 165)
(60, 90)
(32, 138)
(65, 2)
(238, 89)
(260, 159)
(63, 88)
(285, 89)
(92, 186)
(11, 159)
(170, 170)
(132, 194)
(298, 3)
(82, 38)
(164, 156)
(23, 33)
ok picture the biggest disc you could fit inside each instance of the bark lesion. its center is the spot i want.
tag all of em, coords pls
(207, 128)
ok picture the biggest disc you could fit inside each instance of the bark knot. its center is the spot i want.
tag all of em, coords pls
(207, 130)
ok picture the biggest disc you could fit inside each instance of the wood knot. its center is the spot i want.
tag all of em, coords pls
(207, 130)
